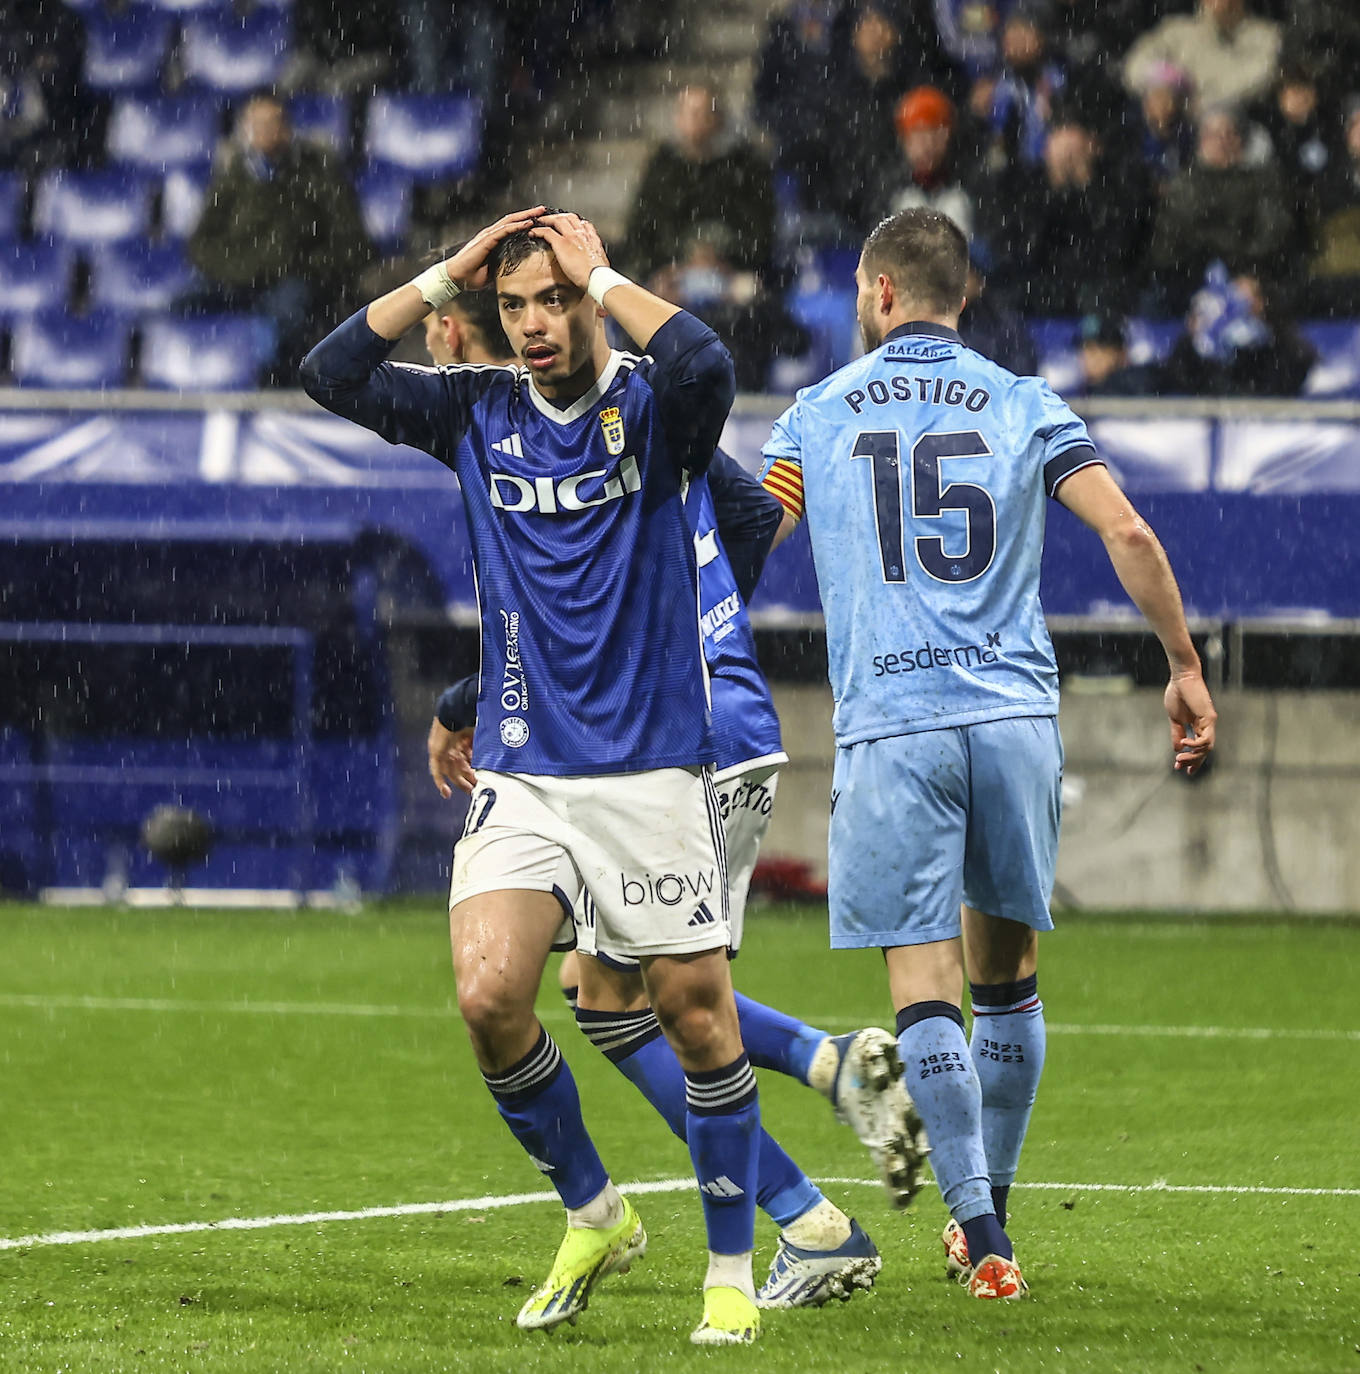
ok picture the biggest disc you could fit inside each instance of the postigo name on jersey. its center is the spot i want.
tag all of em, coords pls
(580, 491)
(933, 656)
(669, 889)
(935, 391)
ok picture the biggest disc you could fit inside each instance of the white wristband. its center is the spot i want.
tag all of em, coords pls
(436, 287)
(603, 279)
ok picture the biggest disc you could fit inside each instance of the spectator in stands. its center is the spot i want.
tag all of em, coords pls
(891, 49)
(1231, 56)
(1074, 234)
(1164, 135)
(1027, 87)
(970, 34)
(1088, 40)
(1325, 36)
(1335, 270)
(988, 324)
(1302, 142)
(795, 96)
(280, 226)
(925, 171)
(1103, 356)
(468, 329)
(702, 184)
(1218, 209)
(45, 118)
(1238, 342)
(751, 319)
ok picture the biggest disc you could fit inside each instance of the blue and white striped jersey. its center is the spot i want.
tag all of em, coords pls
(923, 468)
(585, 564)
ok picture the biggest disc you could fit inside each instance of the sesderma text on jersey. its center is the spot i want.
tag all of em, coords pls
(931, 656)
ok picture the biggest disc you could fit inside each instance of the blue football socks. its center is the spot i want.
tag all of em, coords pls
(776, 1041)
(1008, 1046)
(633, 1042)
(944, 1085)
(723, 1130)
(537, 1099)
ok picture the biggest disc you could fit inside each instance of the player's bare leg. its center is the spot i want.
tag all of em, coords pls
(500, 945)
(926, 981)
(692, 997)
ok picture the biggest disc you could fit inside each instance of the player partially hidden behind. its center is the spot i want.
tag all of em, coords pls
(593, 746)
(822, 1252)
(923, 470)
(467, 329)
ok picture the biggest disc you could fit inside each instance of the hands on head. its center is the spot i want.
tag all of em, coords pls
(468, 265)
(575, 243)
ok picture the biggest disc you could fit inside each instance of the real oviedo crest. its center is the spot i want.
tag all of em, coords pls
(611, 422)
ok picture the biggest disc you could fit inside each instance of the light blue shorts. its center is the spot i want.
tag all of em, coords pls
(923, 822)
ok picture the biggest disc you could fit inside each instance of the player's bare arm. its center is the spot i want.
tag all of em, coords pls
(787, 525)
(390, 316)
(579, 252)
(1141, 563)
(449, 757)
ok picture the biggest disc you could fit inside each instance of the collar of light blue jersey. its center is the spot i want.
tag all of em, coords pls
(935, 331)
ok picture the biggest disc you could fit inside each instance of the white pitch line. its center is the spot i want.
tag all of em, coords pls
(640, 1188)
(75, 1002)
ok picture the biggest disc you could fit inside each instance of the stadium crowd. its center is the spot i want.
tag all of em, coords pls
(1177, 160)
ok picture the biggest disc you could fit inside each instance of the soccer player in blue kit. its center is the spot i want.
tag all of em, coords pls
(822, 1252)
(922, 469)
(593, 747)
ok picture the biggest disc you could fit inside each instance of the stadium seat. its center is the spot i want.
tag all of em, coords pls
(85, 208)
(214, 353)
(57, 349)
(431, 137)
(164, 132)
(138, 277)
(385, 203)
(1336, 374)
(11, 203)
(125, 51)
(234, 53)
(323, 120)
(35, 274)
(182, 196)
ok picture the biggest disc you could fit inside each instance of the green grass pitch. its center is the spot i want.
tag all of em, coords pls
(190, 1067)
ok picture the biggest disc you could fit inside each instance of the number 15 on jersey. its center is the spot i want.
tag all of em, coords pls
(931, 499)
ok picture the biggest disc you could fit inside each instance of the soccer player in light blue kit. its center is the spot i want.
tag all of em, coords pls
(923, 469)
(593, 749)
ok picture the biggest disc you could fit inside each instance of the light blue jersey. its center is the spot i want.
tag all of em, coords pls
(923, 468)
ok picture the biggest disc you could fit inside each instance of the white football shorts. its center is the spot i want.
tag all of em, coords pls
(745, 802)
(647, 849)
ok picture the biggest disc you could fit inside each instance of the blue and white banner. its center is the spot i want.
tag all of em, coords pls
(1259, 516)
